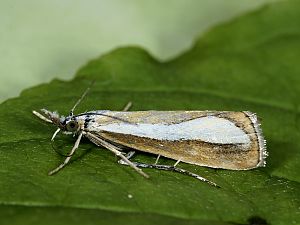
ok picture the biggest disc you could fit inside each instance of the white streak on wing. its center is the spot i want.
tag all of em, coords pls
(209, 129)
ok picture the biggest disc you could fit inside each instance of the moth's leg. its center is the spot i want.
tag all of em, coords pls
(178, 161)
(128, 156)
(117, 151)
(128, 106)
(69, 156)
(183, 171)
(173, 168)
(157, 158)
(55, 133)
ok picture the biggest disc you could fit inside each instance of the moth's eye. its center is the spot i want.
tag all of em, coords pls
(72, 126)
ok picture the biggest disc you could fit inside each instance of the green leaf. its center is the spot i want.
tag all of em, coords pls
(251, 64)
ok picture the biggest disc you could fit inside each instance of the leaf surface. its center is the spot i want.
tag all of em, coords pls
(251, 63)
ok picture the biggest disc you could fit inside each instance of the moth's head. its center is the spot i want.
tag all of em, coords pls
(70, 124)
(67, 124)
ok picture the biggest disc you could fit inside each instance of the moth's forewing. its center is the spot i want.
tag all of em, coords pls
(245, 148)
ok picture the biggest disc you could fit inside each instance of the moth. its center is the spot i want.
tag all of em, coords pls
(216, 139)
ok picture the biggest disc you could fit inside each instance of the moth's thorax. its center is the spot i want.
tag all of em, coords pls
(91, 118)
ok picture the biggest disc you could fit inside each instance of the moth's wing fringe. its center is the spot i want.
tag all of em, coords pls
(261, 140)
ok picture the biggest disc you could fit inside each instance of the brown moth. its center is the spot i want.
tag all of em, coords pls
(216, 139)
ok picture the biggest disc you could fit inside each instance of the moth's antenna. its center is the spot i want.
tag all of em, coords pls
(79, 100)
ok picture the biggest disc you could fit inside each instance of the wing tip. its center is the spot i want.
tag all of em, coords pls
(261, 140)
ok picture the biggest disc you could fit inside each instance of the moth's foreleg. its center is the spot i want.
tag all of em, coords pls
(116, 150)
(69, 156)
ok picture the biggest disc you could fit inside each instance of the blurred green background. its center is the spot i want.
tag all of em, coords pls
(41, 40)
